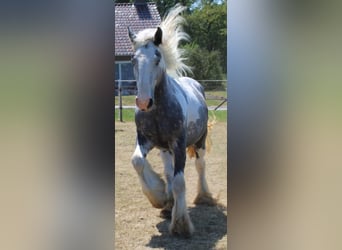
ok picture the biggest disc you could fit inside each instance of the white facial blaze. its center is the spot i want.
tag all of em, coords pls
(144, 80)
(146, 71)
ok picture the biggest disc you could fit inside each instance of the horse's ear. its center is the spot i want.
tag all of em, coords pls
(158, 37)
(131, 35)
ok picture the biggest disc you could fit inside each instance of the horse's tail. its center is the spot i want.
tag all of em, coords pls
(191, 150)
(208, 141)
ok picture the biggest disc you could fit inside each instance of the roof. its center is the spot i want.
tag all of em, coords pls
(137, 16)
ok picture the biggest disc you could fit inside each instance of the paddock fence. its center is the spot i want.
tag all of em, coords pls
(129, 88)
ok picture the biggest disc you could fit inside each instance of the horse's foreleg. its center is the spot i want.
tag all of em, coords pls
(152, 184)
(168, 162)
(180, 222)
(203, 194)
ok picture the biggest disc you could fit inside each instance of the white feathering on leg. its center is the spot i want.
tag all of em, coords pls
(167, 159)
(152, 184)
(180, 223)
(203, 196)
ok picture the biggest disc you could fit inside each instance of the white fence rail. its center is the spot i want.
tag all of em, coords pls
(128, 87)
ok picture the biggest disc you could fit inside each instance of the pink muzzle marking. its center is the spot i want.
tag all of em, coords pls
(142, 104)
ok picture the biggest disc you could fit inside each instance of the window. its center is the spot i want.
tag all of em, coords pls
(124, 72)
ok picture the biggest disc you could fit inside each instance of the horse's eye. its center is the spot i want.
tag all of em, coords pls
(158, 56)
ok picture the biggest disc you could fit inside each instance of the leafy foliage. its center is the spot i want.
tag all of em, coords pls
(164, 5)
(204, 64)
(124, 1)
(207, 27)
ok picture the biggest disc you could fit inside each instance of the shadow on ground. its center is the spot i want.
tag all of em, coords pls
(210, 226)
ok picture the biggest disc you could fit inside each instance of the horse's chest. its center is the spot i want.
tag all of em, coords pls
(160, 130)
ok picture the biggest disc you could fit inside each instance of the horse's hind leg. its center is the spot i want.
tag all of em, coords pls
(203, 194)
(152, 185)
(168, 161)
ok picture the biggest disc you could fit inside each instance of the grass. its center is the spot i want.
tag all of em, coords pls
(218, 115)
(211, 102)
(127, 100)
(128, 115)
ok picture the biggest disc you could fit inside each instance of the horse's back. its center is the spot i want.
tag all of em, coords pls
(191, 85)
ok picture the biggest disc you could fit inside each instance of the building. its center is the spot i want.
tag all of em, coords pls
(138, 16)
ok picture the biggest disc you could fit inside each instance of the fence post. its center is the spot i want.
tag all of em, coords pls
(120, 101)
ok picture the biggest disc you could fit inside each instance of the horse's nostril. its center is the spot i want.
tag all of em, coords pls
(143, 105)
(150, 103)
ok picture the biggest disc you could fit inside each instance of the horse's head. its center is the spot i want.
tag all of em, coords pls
(148, 65)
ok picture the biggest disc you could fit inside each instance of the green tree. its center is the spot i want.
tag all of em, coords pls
(207, 27)
(164, 5)
(205, 64)
(124, 1)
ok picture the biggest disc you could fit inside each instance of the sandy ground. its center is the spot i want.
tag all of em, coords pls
(137, 223)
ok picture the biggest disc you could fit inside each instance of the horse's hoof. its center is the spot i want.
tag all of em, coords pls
(166, 212)
(182, 227)
(205, 199)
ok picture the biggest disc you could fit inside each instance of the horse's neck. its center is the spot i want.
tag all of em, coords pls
(163, 87)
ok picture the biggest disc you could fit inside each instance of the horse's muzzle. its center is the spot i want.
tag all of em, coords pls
(143, 105)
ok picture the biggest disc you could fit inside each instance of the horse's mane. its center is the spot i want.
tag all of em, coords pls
(173, 33)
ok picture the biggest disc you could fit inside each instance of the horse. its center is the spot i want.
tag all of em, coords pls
(172, 116)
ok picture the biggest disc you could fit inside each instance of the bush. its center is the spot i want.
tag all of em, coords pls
(205, 64)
